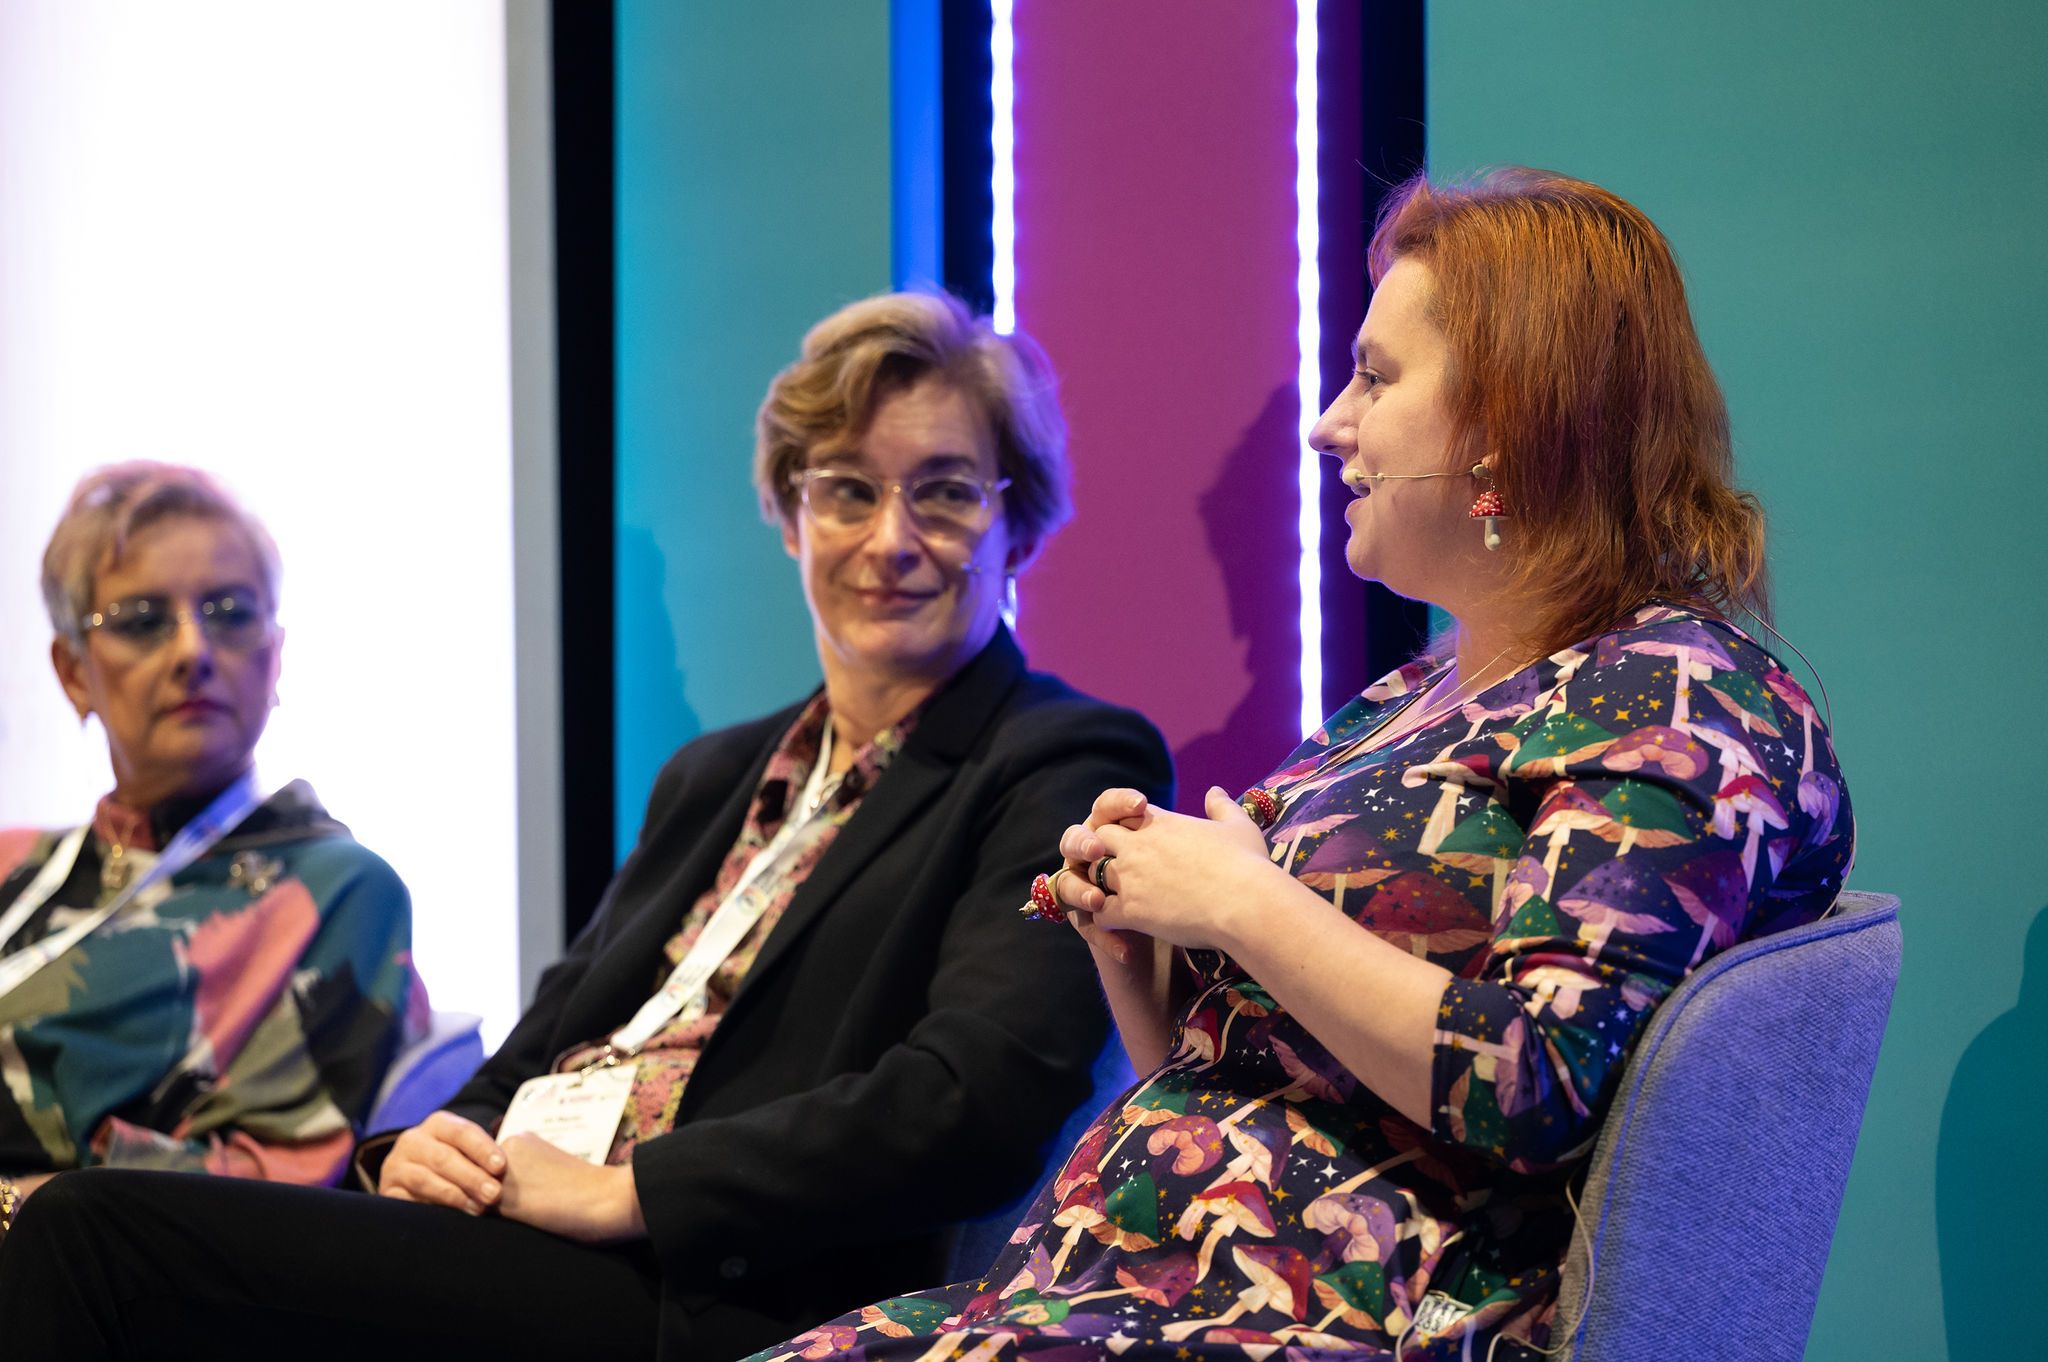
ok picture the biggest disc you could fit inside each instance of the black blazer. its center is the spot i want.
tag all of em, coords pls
(905, 1045)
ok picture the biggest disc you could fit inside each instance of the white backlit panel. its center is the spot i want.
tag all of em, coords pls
(270, 239)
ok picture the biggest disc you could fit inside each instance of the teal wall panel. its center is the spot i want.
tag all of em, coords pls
(1855, 192)
(753, 198)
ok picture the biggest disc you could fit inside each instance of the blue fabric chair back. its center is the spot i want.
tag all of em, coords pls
(428, 1072)
(1710, 1202)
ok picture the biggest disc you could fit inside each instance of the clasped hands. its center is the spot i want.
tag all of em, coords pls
(1182, 880)
(447, 1160)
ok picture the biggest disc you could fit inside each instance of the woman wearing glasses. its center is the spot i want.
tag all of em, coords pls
(199, 977)
(807, 1029)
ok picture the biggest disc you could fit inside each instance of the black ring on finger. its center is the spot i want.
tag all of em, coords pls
(1099, 873)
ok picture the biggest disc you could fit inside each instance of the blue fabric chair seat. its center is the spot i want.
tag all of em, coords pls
(1710, 1202)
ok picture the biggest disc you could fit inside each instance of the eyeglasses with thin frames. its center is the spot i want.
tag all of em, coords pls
(141, 624)
(950, 505)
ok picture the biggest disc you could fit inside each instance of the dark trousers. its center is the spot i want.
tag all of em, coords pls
(107, 1263)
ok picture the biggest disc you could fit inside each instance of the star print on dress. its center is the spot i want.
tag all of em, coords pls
(1568, 862)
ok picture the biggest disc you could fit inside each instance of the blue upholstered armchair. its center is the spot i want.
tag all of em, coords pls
(1710, 1203)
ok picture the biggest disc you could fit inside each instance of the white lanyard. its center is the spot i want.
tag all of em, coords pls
(683, 991)
(194, 840)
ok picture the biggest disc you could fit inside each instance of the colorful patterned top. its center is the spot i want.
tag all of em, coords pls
(670, 1055)
(1569, 844)
(235, 1019)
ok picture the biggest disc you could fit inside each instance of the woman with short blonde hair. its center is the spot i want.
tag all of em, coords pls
(207, 975)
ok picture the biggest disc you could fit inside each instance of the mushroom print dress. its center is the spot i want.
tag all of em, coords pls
(1569, 845)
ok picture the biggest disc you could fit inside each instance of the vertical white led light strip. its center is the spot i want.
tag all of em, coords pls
(1002, 136)
(1308, 293)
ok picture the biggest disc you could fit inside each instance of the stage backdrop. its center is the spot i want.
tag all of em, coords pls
(764, 178)
(753, 198)
(1854, 191)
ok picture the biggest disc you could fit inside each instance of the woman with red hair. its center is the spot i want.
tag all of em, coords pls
(1382, 1001)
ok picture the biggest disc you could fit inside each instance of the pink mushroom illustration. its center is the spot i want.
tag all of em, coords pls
(1289, 839)
(1819, 797)
(1198, 1037)
(1226, 1208)
(1279, 1277)
(1312, 1070)
(1083, 1209)
(1617, 895)
(1527, 880)
(1751, 797)
(1194, 1141)
(1455, 778)
(1362, 1226)
(827, 1340)
(1162, 1280)
(1694, 653)
(1738, 755)
(1677, 753)
(1567, 809)
(1714, 892)
(1084, 1164)
(1035, 1275)
(1795, 697)
(1158, 1102)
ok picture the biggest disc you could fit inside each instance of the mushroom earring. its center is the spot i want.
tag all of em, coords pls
(1489, 507)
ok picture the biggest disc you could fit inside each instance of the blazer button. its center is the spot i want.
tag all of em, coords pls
(732, 1269)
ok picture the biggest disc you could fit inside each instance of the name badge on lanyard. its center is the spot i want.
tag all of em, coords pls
(578, 1113)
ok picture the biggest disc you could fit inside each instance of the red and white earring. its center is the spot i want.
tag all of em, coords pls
(1489, 508)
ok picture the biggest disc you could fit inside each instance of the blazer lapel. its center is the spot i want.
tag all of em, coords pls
(629, 966)
(945, 733)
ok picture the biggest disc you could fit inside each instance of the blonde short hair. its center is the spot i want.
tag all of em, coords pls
(876, 348)
(110, 505)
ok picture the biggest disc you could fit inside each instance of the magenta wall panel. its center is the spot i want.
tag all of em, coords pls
(1156, 262)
